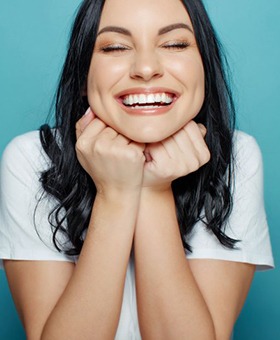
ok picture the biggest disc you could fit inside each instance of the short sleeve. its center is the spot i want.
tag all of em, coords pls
(25, 233)
(247, 221)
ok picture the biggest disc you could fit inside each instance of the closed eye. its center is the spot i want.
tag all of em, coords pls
(114, 48)
(181, 45)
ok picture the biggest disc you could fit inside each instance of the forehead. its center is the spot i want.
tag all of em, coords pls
(143, 14)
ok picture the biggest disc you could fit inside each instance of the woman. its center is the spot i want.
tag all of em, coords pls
(148, 208)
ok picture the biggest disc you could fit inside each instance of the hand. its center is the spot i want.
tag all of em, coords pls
(176, 156)
(113, 161)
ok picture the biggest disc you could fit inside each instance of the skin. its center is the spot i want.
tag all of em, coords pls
(145, 60)
(133, 159)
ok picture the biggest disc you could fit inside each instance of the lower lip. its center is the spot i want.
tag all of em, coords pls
(155, 111)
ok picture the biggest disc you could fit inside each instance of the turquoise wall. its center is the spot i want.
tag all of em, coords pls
(32, 45)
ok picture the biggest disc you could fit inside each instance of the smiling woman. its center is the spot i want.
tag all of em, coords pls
(156, 61)
(140, 213)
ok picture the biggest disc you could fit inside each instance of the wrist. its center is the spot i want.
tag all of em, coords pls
(156, 208)
(118, 196)
(153, 198)
(160, 189)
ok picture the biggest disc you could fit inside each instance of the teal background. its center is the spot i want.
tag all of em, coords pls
(33, 38)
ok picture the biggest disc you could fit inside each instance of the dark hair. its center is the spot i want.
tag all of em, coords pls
(203, 195)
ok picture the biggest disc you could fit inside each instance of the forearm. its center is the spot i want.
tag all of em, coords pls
(170, 305)
(90, 306)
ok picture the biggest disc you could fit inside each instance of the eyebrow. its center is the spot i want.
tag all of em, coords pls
(174, 27)
(161, 31)
(115, 29)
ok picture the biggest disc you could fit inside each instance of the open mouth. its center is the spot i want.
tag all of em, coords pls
(148, 101)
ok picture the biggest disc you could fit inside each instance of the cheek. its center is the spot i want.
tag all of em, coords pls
(200, 84)
(200, 76)
(194, 79)
(189, 71)
(104, 73)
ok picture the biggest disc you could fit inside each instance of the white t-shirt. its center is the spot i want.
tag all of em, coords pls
(24, 160)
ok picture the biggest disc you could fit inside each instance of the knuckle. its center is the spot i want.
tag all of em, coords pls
(107, 130)
(100, 145)
(202, 128)
(134, 155)
(183, 169)
(191, 124)
(194, 165)
(205, 156)
(81, 144)
(78, 125)
(167, 173)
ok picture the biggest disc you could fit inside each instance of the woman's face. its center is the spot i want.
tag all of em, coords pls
(146, 78)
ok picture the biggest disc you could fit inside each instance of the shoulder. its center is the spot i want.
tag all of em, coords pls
(22, 164)
(247, 156)
(28, 141)
(24, 153)
(245, 145)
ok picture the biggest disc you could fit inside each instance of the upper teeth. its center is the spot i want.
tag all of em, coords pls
(150, 98)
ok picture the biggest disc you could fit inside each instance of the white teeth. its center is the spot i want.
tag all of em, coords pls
(169, 100)
(151, 98)
(158, 98)
(142, 99)
(130, 100)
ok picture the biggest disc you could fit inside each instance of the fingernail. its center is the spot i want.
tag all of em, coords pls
(87, 111)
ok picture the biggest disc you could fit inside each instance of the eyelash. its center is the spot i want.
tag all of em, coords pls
(114, 48)
(176, 46)
(120, 48)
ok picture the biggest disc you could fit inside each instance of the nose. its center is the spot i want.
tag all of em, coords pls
(146, 66)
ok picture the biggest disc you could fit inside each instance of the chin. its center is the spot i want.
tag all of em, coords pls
(148, 138)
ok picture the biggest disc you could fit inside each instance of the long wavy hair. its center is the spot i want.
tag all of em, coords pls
(204, 195)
